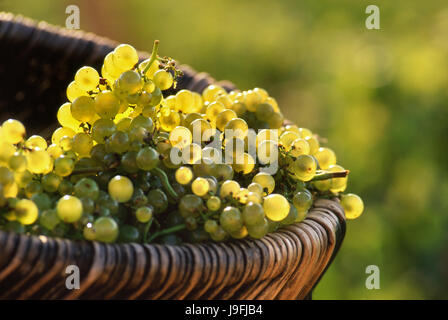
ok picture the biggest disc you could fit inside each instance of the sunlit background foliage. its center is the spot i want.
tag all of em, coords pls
(379, 96)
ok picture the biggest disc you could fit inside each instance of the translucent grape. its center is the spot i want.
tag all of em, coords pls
(353, 205)
(13, 131)
(302, 201)
(259, 230)
(253, 214)
(276, 207)
(200, 186)
(299, 146)
(83, 109)
(238, 126)
(50, 182)
(210, 226)
(212, 111)
(246, 166)
(180, 137)
(229, 187)
(87, 188)
(337, 184)
(213, 203)
(69, 209)
(65, 117)
(211, 92)
(169, 121)
(325, 157)
(106, 229)
(82, 144)
(26, 211)
(121, 188)
(304, 167)
(106, 104)
(163, 79)
(17, 162)
(183, 175)
(61, 132)
(87, 78)
(264, 112)
(313, 144)
(147, 158)
(74, 91)
(224, 117)
(103, 128)
(230, 219)
(266, 181)
(63, 166)
(144, 214)
(125, 56)
(190, 205)
(49, 219)
(38, 160)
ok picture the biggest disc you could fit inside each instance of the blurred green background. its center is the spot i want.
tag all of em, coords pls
(379, 96)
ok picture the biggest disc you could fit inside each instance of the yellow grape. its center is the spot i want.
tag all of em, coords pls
(125, 56)
(59, 133)
(238, 126)
(36, 141)
(13, 131)
(266, 181)
(229, 187)
(38, 160)
(276, 207)
(212, 111)
(26, 211)
(224, 117)
(180, 137)
(313, 144)
(87, 78)
(83, 109)
(353, 205)
(211, 91)
(163, 79)
(65, 117)
(74, 91)
(299, 146)
(246, 166)
(200, 186)
(184, 175)
(325, 157)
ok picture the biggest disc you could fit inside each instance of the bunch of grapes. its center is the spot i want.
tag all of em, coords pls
(111, 171)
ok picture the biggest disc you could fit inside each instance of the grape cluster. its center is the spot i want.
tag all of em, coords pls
(109, 174)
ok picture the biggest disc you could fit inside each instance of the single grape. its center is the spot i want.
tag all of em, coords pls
(229, 188)
(49, 219)
(230, 219)
(144, 214)
(266, 181)
(147, 158)
(184, 175)
(69, 209)
(163, 79)
(87, 188)
(38, 160)
(304, 167)
(353, 205)
(13, 131)
(325, 157)
(302, 200)
(103, 128)
(129, 162)
(83, 109)
(276, 207)
(106, 104)
(337, 184)
(158, 200)
(106, 229)
(26, 211)
(36, 141)
(74, 91)
(50, 182)
(214, 203)
(211, 226)
(253, 214)
(42, 201)
(259, 230)
(200, 186)
(190, 205)
(125, 56)
(121, 188)
(64, 166)
(87, 78)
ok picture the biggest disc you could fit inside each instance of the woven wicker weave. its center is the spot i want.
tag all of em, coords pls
(284, 265)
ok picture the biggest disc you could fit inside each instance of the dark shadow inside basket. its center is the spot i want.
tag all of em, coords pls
(38, 62)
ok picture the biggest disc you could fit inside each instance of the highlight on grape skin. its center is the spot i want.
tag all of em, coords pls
(132, 164)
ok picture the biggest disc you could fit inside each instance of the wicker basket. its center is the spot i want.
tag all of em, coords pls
(40, 61)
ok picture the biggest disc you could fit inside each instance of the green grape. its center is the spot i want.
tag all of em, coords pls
(252, 100)
(158, 200)
(6, 176)
(83, 109)
(13, 131)
(276, 120)
(276, 207)
(214, 203)
(223, 117)
(163, 79)
(264, 112)
(213, 185)
(107, 202)
(211, 226)
(7, 150)
(302, 200)
(87, 78)
(36, 141)
(229, 188)
(259, 230)
(88, 205)
(266, 181)
(304, 167)
(106, 229)
(313, 143)
(222, 172)
(183, 175)
(74, 91)
(125, 56)
(129, 162)
(118, 142)
(142, 122)
(230, 219)
(238, 126)
(65, 143)
(89, 232)
(50, 182)
(255, 187)
(124, 123)
(33, 187)
(353, 205)
(129, 83)
(200, 186)
(139, 198)
(254, 197)
(26, 211)
(147, 158)
(42, 201)
(190, 205)
(121, 188)
(103, 128)
(64, 166)
(325, 157)
(38, 161)
(263, 93)
(128, 234)
(144, 214)
(185, 101)
(82, 144)
(291, 217)
(180, 137)
(169, 120)
(246, 166)
(87, 188)
(98, 152)
(253, 214)
(65, 187)
(69, 209)
(219, 235)
(191, 223)
(59, 133)
(239, 234)
(299, 147)
(106, 104)
(322, 185)
(49, 219)
(337, 184)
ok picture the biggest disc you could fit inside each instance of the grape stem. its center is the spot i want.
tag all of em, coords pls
(153, 57)
(147, 227)
(330, 175)
(167, 231)
(165, 182)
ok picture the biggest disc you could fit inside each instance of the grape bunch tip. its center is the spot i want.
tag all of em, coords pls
(126, 163)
